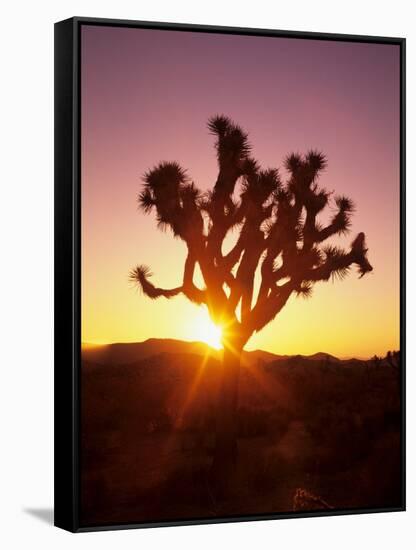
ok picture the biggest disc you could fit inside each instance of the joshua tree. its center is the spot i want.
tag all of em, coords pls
(278, 233)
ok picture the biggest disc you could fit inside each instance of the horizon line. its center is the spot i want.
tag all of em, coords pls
(341, 358)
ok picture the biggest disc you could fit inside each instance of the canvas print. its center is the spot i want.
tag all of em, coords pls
(240, 275)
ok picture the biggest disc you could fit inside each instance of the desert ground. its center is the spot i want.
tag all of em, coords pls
(313, 433)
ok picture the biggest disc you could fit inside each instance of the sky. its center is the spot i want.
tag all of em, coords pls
(146, 96)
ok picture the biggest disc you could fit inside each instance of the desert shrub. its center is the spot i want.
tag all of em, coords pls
(305, 500)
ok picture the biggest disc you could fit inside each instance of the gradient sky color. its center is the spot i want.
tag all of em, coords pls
(146, 97)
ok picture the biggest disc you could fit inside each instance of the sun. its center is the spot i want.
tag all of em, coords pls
(204, 330)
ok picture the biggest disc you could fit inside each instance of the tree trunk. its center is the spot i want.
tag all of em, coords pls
(225, 453)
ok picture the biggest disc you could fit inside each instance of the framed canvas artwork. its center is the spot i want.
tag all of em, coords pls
(229, 274)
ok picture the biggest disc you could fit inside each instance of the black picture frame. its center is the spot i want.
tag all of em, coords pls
(68, 264)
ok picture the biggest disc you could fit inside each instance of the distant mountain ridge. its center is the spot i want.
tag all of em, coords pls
(124, 353)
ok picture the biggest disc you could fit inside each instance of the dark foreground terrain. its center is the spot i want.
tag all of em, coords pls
(314, 433)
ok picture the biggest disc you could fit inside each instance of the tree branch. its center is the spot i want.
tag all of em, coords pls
(140, 275)
(267, 308)
(340, 222)
(338, 262)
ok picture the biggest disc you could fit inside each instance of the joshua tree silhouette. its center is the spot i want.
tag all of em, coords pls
(278, 232)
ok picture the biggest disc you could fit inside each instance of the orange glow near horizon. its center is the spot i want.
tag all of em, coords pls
(140, 109)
